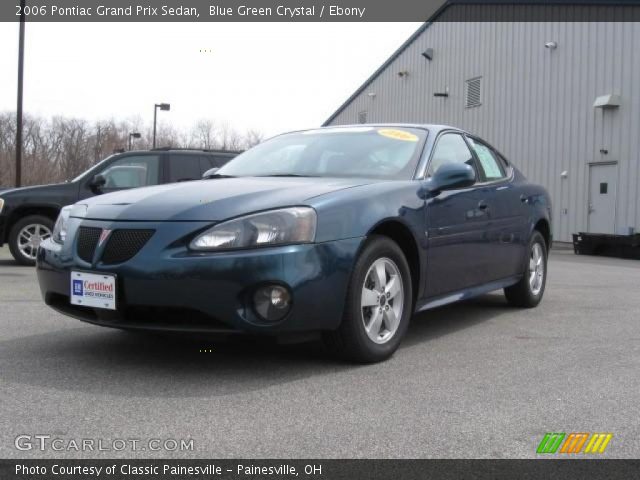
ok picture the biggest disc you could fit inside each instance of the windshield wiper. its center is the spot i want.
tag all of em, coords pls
(219, 175)
(287, 175)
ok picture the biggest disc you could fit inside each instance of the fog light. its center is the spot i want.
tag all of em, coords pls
(272, 302)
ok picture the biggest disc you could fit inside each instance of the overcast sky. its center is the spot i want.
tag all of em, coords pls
(269, 76)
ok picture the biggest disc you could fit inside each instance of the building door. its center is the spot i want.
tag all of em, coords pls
(602, 198)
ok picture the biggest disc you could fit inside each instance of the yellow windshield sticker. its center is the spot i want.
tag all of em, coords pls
(398, 134)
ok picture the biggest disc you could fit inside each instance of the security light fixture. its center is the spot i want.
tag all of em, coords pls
(428, 54)
(551, 45)
(607, 101)
(133, 135)
(403, 73)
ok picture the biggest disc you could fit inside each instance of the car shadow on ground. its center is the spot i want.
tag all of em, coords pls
(9, 262)
(98, 360)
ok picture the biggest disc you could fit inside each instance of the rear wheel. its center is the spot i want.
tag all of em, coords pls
(378, 305)
(26, 235)
(528, 292)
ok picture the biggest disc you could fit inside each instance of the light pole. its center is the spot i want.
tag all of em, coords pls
(162, 106)
(133, 135)
(19, 107)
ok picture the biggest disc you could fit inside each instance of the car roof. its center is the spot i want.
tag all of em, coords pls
(432, 127)
(188, 151)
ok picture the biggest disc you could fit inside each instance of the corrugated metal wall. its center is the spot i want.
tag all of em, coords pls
(537, 103)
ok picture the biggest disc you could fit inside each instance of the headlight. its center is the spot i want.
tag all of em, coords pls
(60, 228)
(1, 204)
(274, 227)
(78, 210)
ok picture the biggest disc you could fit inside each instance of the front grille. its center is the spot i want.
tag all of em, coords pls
(87, 241)
(124, 244)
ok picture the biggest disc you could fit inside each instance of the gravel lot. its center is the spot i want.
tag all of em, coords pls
(478, 379)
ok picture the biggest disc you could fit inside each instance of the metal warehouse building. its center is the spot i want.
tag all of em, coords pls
(560, 99)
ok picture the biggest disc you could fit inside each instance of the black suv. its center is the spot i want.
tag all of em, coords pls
(27, 214)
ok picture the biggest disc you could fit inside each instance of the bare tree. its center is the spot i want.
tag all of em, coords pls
(60, 148)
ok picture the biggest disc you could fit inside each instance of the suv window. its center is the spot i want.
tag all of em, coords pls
(489, 162)
(132, 172)
(212, 161)
(219, 160)
(184, 167)
(451, 148)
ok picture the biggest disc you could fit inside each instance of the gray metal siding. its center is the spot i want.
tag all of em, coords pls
(537, 103)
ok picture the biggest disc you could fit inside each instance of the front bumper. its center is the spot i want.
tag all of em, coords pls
(167, 287)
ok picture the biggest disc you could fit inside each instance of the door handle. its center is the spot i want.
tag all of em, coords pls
(524, 198)
(483, 205)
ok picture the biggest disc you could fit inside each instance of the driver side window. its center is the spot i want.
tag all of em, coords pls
(132, 172)
(451, 148)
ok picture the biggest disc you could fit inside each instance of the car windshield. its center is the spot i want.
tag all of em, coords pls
(379, 152)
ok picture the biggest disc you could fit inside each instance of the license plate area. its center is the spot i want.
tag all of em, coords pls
(96, 290)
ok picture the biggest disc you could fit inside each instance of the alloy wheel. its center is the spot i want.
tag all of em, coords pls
(30, 237)
(382, 300)
(536, 269)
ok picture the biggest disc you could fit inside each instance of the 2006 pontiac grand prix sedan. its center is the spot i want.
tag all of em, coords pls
(341, 231)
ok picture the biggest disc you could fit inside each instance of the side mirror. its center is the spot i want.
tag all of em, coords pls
(451, 176)
(210, 173)
(97, 182)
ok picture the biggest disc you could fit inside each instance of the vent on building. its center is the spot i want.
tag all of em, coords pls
(362, 117)
(473, 92)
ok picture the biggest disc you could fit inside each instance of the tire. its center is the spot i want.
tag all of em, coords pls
(387, 316)
(528, 292)
(22, 249)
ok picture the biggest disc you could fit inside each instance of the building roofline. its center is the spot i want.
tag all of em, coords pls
(446, 4)
(377, 73)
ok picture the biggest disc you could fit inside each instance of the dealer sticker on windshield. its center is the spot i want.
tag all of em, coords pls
(398, 134)
(93, 290)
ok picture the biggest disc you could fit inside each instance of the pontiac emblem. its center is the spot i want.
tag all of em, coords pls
(103, 236)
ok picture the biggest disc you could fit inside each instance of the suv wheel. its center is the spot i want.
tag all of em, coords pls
(26, 235)
(378, 306)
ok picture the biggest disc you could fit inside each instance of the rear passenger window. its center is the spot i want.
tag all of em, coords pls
(184, 167)
(206, 163)
(451, 148)
(220, 160)
(490, 163)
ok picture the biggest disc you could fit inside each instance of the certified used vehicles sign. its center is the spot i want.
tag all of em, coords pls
(93, 290)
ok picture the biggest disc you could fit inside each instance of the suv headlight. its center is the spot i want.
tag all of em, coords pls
(273, 227)
(1, 205)
(60, 228)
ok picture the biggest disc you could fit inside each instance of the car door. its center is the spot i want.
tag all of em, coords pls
(506, 215)
(456, 225)
(130, 171)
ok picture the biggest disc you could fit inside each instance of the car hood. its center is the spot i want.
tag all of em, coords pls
(211, 200)
(27, 191)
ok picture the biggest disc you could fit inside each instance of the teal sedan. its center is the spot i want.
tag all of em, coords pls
(339, 232)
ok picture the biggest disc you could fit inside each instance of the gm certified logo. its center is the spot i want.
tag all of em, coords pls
(77, 287)
(574, 443)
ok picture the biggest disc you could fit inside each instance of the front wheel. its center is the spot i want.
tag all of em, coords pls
(528, 292)
(26, 235)
(378, 306)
